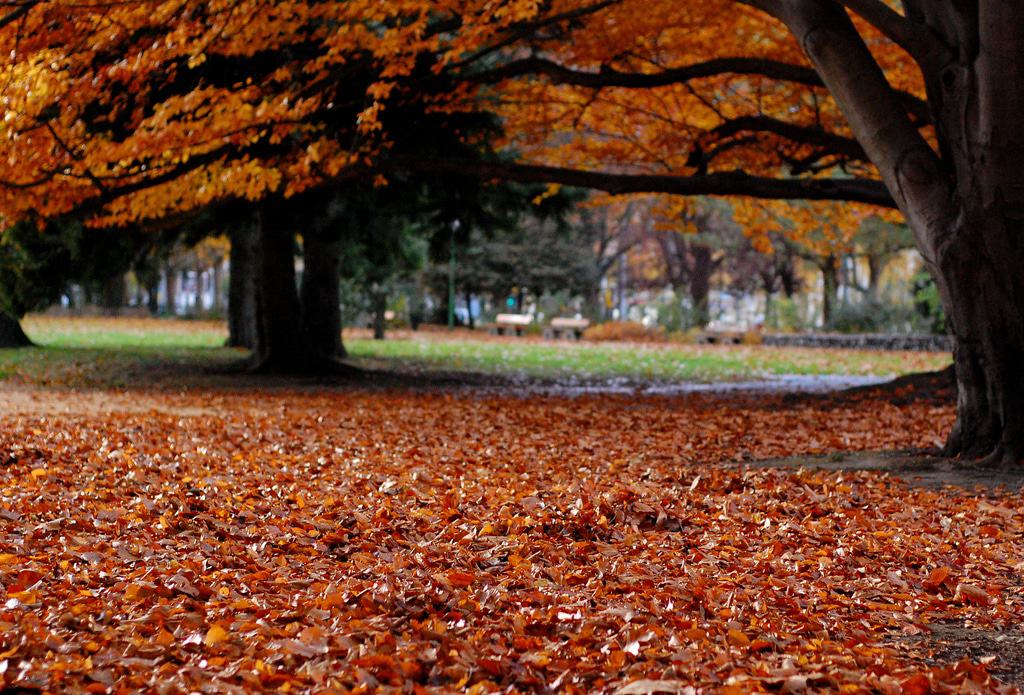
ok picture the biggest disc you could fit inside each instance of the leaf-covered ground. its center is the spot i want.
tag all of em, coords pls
(333, 539)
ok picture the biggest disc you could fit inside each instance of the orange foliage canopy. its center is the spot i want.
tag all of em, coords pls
(142, 109)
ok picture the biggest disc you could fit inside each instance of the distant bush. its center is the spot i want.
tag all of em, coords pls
(624, 330)
(873, 317)
(784, 315)
(752, 336)
(671, 315)
(677, 314)
(862, 317)
(930, 315)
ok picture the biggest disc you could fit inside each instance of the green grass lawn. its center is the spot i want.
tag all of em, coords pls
(662, 362)
(113, 352)
(117, 352)
(124, 333)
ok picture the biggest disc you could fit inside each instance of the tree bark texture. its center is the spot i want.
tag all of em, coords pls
(876, 266)
(215, 306)
(691, 266)
(153, 298)
(321, 295)
(11, 334)
(171, 276)
(700, 283)
(964, 200)
(380, 307)
(113, 295)
(242, 315)
(281, 344)
(829, 268)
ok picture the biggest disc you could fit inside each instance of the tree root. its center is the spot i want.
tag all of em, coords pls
(1001, 458)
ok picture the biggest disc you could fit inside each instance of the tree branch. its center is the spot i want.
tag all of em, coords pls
(923, 46)
(609, 77)
(14, 15)
(911, 169)
(523, 30)
(719, 184)
(835, 144)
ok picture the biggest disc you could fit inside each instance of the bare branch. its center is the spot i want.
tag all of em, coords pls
(912, 170)
(719, 184)
(609, 77)
(22, 10)
(523, 30)
(836, 144)
(915, 38)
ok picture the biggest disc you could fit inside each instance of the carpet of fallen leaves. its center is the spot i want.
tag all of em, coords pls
(327, 540)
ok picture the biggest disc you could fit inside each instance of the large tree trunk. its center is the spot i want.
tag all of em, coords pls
(964, 202)
(979, 256)
(171, 276)
(281, 344)
(380, 308)
(242, 317)
(620, 290)
(215, 303)
(876, 266)
(789, 280)
(700, 284)
(113, 295)
(196, 306)
(321, 295)
(11, 334)
(979, 277)
(153, 297)
(830, 289)
(469, 310)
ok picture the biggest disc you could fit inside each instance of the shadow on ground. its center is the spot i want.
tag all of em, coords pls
(1001, 650)
(920, 468)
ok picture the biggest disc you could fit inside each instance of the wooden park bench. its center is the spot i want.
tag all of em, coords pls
(566, 328)
(721, 334)
(510, 324)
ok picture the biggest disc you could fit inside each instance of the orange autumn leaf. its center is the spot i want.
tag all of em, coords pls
(215, 635)
(937, 577)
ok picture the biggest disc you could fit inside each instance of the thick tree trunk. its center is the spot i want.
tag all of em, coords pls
(242, 317)
(183, 288)
(964, 202)
(197, 296)
(700, 284)
(380, 308)
(113, 295)
(982, 286)
(171, 275)
(830, 289)
(153, 297)
(787, 277)
(979, 258)
(321, 295)
(215, 302)
(11, 334)
(620, 290)
(876, 266)
(137, 293)
(281, 344)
